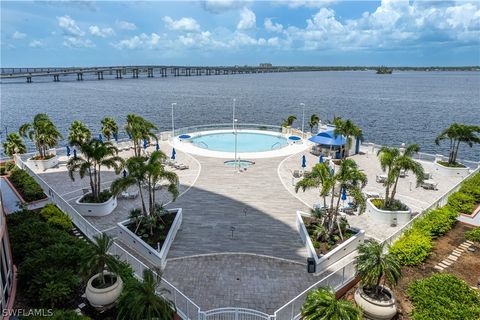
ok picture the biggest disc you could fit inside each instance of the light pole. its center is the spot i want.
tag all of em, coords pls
(235, 133)
(303, 119)
(173, 121)
(233, 117)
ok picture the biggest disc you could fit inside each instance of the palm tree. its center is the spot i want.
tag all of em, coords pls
(78, 133)
(314, 121)
(109, 127)
(393, 162)
(139, 129)
(320, 177)
(456, 134)
(144, 300)
(95, 155)
(373, 265)
(348, 129)
(321, 304)
(100, 260)
(289, 121)
(14, 144)
(43, 132)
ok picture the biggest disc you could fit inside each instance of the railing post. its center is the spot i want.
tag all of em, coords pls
(236, 314)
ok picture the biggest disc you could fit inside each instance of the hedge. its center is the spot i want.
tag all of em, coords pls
(462, 202)
(473, 235)
(412, 248)
(443, 297)
(436, 222)
(26, 185)
(56, 217)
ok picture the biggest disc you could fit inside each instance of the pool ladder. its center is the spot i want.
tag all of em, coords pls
(206, 145)
(273, 145)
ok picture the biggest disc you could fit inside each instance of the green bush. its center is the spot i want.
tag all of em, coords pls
(436, 222)
(56, 217)
(412, 248)
(443, 297)
(473, 235)
(26, 185)
(461, 202)
(472, 187)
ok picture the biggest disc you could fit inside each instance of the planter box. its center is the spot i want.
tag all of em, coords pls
(96, 209)
(333, 256)
(158, 258)
(43, 164)
(388, 217)
(451, 172)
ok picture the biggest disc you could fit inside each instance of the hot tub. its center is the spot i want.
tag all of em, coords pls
(294, 140)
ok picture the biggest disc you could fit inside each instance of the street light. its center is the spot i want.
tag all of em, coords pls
(173, 122)
(303, 119)
(235, 133)
(233, 117)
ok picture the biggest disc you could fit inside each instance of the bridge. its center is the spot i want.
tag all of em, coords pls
(120, 72)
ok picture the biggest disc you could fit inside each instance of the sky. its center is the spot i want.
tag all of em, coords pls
(216, 32)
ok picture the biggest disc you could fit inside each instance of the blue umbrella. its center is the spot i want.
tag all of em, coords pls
(74, 153)
(304, 161)
(328, 138)
(321, 159)
(332, 170)
(100, 138)
(173, 154)
(129, 135)
(344, 194)
(157, 147)
(115, 136)
(124, 173)
(68, 151)
(145, 144)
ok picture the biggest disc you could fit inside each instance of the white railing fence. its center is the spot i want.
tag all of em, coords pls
(235, 314)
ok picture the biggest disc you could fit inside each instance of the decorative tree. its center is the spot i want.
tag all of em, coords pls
(456, 134)
(42, 132)
(78, 133)
(314, 121)
(321, 303)
(289, 121)
(14, 144)
(109, 127)
(348, 129)
(139, 129)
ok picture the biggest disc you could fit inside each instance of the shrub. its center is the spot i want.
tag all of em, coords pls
(443, 297)
(26, 185)
(436, 222)
(473, 235)
(56, 217)
(412, 248)
(472, 187)
(461, 202)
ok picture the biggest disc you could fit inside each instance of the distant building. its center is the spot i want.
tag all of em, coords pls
(7, 269)
(265, 65)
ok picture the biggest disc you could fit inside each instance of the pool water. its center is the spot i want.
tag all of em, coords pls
(246, 142)
(238, 163)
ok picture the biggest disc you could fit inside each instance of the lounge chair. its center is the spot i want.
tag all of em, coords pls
(129, 194)
(297, 174)
(180, 166)
(430, 185)
(402, 173)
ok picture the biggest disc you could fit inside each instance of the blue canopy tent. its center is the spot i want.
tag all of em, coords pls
(328, 139)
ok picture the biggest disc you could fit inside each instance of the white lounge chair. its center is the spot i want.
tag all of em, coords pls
(181, 166)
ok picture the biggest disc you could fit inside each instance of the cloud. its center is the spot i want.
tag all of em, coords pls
(17, 35)
(36, 44)
(183, 24)
(308, 3)
(271, 26)
(75, 42)
(76, 4)
(219, 6)
(247, 19)
(69, 26)
(125, 25)
(101, 32)
(202, 40)
(141, 41)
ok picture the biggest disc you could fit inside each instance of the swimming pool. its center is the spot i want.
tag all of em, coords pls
(246, 141)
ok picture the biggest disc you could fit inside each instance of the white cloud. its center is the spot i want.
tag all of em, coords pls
(308, 3)
(17, 35)
(219, 6)
(247, 19)
(141, 41)
(69, 26)
(101, 32)
(271, 26)
(125, 25)
(183, 24)
(75, 42)
(36, 44)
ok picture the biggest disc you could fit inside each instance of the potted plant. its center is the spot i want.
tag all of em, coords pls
(95, 155)
(105, 285)
(314, 121)
(393, 162)
(287, 124)
(14, 145)
(456, 134)
(43, 132)
(321, 303)
(143, 300)
(376, 269)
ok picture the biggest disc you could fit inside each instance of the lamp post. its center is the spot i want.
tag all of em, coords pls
(235, 133)
(233, 117)
(303, 119)
(173, 121)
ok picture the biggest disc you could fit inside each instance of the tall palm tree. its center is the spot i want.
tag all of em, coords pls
(139, 129)
(95, 154)
(109, 127)
(43, 132)
(314, 121)
(321, 304)
(78, 133)
(144, 300)
(373, 265)
(289, 121)
(14, 144)
(456, 134)
(393, 162)
(348, 129)
(320, 177)
(100, 260)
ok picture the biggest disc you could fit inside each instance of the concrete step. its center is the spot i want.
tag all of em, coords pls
(469, 242)
(443, 265)
(456, 254)
(447, 262)
(453, 258)
(438, 268)
(459, 250)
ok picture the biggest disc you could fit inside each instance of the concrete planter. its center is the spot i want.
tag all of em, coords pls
(375, 309)
(43, 164)
(451, 172)
(388, 217)
(96, 209)
(103, 297)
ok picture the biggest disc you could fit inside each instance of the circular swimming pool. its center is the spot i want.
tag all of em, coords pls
(246, 141)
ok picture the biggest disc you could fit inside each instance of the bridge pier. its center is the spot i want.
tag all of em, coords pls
(135, 73)
(150, 72)
(163, 72)
(198, 72)
(118, 74)
(100, 75)
(56, 78)
(187, 72)
(176, 72)
(29, 79)
(79, 76)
